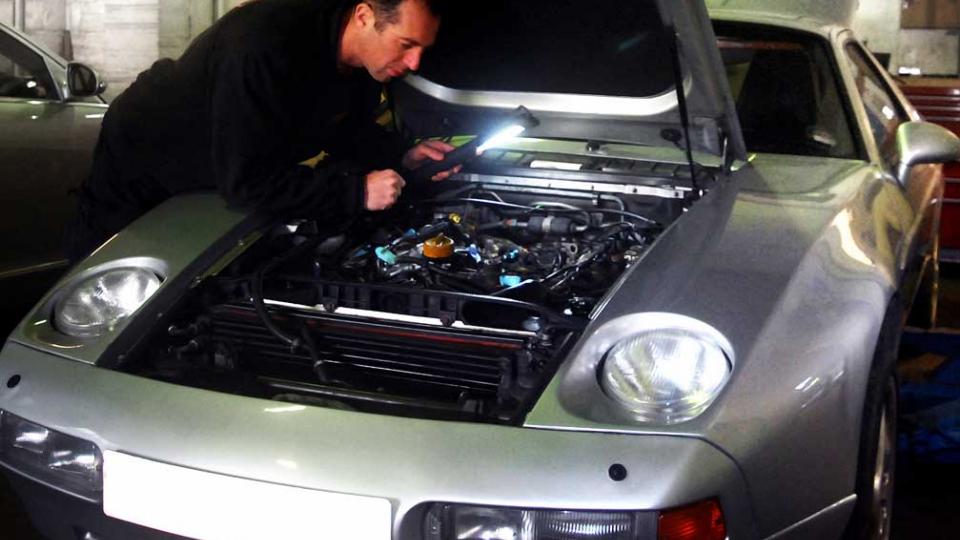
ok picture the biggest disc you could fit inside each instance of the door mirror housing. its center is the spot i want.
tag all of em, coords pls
(923, 142)
(83, 81)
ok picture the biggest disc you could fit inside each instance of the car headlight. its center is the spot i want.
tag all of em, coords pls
(98, 303)
(467, 522)
(60, 460)
(667, 375)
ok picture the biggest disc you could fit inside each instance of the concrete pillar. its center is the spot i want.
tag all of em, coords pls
(19, 14)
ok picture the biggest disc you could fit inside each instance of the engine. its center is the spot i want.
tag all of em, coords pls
(455, 305)
(559, 255)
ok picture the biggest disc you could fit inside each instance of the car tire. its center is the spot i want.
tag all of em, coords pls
(876, 463)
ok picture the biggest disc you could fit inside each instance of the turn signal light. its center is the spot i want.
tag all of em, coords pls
(700, 521)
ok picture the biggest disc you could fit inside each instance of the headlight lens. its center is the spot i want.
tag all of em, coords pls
(72, 464)
(98, 303)
(463, 522)
(665, 376)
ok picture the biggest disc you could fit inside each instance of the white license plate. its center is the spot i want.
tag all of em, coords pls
(210, 506)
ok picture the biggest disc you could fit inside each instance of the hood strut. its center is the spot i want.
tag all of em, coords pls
(682, 103)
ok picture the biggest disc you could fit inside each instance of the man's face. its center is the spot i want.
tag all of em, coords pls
(394, 49)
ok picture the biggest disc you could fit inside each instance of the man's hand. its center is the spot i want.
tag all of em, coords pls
(435, 150)
(383, 189)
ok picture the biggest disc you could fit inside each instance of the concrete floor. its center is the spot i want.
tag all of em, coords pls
(927, 496)
(926, 502)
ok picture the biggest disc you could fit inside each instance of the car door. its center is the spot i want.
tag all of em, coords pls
(885, 109)
(46, 144)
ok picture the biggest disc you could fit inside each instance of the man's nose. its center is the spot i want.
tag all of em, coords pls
(412, 58)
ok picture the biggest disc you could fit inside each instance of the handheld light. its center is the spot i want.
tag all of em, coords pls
(516, 123)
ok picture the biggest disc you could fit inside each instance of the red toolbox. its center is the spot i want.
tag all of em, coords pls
(938, 100)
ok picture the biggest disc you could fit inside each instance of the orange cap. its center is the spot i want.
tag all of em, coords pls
(438, 247)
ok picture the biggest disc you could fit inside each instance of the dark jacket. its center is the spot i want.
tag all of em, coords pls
(252, 97)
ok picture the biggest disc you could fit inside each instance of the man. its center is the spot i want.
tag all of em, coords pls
(271, 85)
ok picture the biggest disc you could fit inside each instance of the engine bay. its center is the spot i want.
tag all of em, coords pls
(459, 303)
(561, 255)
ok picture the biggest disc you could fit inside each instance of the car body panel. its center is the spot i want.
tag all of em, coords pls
(814, 267)
(806, 384)
(408, 461)
(45, 151)
(170, 240)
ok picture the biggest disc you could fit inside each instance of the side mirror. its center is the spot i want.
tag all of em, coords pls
(923, 142)
(83, 81)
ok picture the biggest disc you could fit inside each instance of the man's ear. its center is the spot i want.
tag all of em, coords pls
(364, 15)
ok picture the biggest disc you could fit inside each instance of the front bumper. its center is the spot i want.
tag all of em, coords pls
(57, 516)
(409, 462)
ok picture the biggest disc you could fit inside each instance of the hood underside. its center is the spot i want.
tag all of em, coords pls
(587, 71)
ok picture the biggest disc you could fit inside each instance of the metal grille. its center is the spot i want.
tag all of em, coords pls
(405, 360)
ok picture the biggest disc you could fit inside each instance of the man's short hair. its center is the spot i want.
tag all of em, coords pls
(387, 11)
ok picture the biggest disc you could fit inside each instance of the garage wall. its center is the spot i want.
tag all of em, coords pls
(830, 10)
(878, 23)
(119, 38)
(935, 52)
(6, 12)
(46, 22)
(181, 21)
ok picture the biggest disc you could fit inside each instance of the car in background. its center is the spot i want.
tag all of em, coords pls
(668, 309)
(50, 115)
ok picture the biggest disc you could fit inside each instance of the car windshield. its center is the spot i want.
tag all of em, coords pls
(545, 46)
(786, 91)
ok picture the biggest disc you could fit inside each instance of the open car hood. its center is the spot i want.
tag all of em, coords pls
(586, 70)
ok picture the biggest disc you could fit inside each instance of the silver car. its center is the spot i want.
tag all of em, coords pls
(50, 114)
(665, 302)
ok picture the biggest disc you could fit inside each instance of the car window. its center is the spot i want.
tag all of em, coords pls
(23, 73)
(883, 111)
(786, 91)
